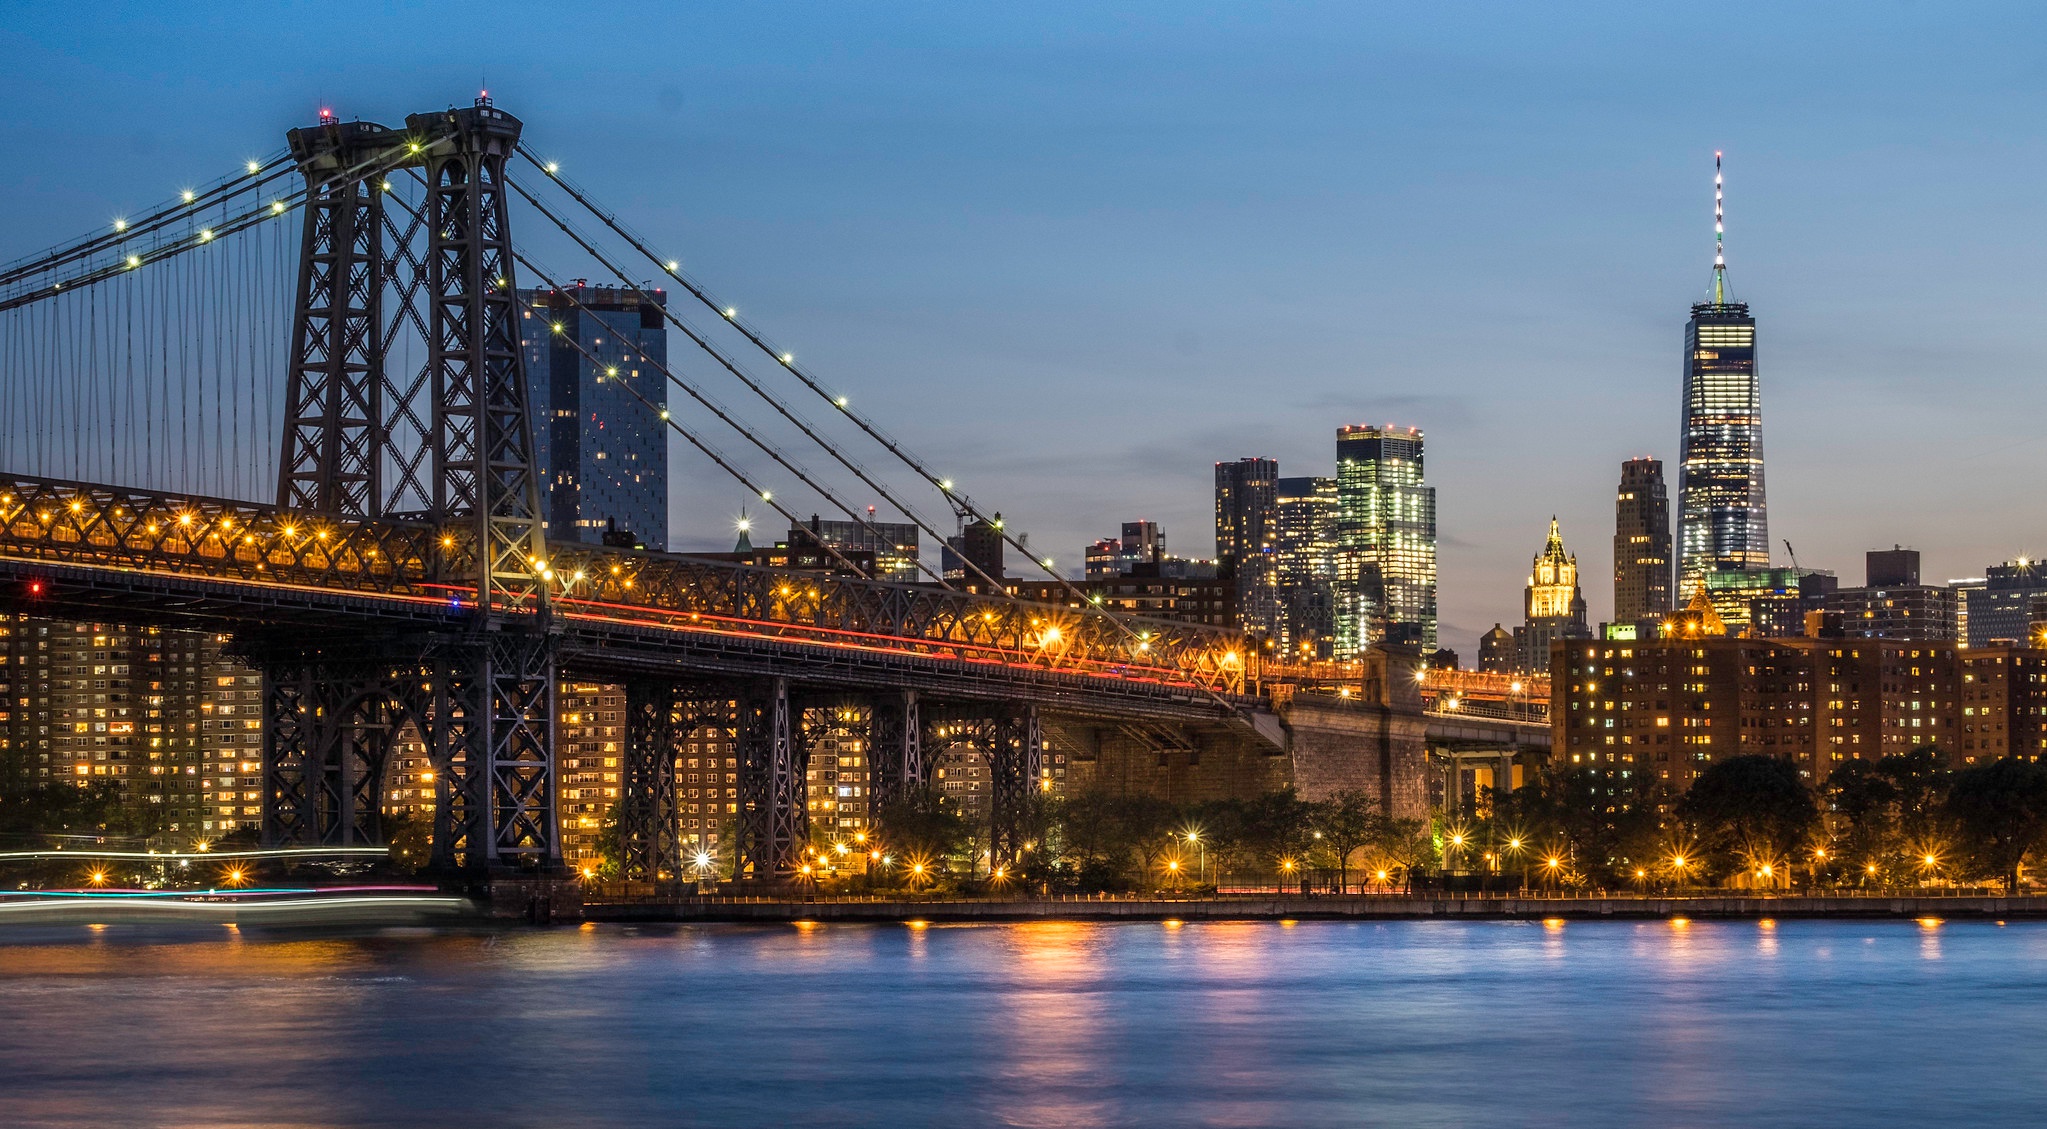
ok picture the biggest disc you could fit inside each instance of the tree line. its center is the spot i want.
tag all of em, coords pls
(1100, 841)
(1903, 820)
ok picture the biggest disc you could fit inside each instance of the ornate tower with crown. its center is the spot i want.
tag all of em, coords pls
(1555, 606)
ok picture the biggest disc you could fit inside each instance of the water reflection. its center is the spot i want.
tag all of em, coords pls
(1085, 1024)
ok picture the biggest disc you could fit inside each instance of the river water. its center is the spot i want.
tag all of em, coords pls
(1056, 1024)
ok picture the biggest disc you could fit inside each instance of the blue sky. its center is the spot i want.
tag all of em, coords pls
(1078, 253)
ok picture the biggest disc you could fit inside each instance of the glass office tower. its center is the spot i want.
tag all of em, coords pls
(1722, 520)
(1386, 541)
(603, 451)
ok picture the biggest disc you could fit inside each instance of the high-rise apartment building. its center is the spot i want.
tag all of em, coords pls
(1892, 604)
(1305, 513)
(174, 726)
(589, 732)
(893, 543)
(2001, 609)
(1386, 541)
(1247, 539)
(1554, 605)
(602, 450)
(1674, 706)
(1641, 544)
(1723, 523)
(1141, 550)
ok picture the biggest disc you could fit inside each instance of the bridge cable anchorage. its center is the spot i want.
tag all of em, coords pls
(374, 166)
(668, 418)
(717, 410)
(808, 429)
(958, 498)
(188, 205)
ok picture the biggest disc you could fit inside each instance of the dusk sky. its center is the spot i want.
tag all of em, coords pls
(1078, 253)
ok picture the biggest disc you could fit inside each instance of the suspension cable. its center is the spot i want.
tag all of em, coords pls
(724, 416)
(374, 166)
(700, 444)
(672, 269)
(188, 206)
(702, 398)
(729, 366)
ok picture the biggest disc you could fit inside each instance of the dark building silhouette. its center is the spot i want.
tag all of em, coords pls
(1496, 651)
(1641, 544)
(979, 542)
(1247, 537)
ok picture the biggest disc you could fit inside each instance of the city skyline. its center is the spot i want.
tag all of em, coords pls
(1503, 191)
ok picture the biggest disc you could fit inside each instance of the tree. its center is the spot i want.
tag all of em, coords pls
(1750, 806)
(61, 808)
(1149, 824)
(1276, 828)
(925, 824)
(1346, 821)
(1603, 817)
(1405, 844)
(610, 847)
(1891, 806)
(1094, 839)
(1220, 823)
(2001, 810)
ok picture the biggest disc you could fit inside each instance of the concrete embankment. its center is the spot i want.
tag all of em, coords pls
(1278, 907)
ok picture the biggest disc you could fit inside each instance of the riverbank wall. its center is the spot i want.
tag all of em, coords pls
(1293, 907)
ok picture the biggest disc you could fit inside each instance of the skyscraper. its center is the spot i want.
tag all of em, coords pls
(1641, 543)
(1246, 534)
(1554, 604)
(1386, 541)
(1306, 541)
(1722, 521)
(603, 452)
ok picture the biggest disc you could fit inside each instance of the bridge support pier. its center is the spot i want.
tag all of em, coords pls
(895, 749)
(493, 754)
(773, 820)
(327, 736)
(649, 830)
(1016, 755)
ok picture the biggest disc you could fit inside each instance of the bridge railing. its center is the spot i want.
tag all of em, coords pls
(125, 528)
(719, 595)
(148, 531)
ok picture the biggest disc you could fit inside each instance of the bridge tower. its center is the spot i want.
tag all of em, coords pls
(451, 444)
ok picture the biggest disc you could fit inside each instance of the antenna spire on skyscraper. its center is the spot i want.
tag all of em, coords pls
(1719, 236)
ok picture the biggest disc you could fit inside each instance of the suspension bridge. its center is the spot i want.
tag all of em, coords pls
(289, 406)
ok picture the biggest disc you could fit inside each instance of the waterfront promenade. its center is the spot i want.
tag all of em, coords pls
(647, 906)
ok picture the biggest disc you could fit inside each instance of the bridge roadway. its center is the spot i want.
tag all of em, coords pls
(83, 551)
(1138, 703)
